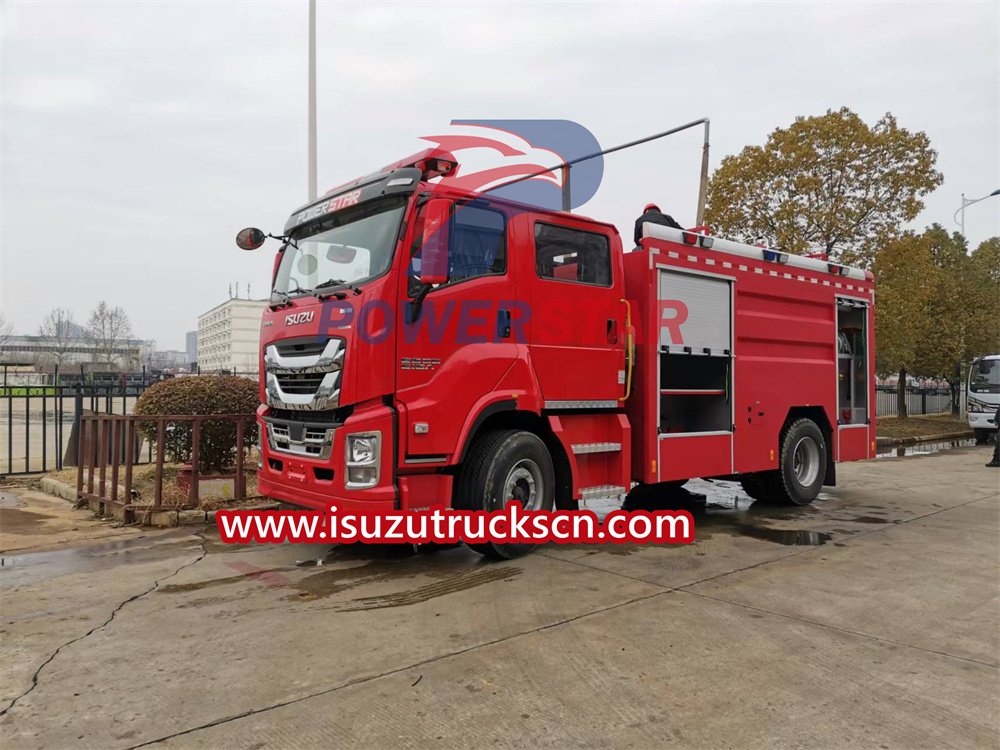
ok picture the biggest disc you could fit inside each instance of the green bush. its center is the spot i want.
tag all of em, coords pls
(203, 394)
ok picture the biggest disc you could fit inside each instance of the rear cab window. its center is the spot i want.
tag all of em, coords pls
(572, 255)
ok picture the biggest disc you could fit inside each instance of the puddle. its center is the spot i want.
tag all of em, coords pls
(923, 449)
(720, 507)
(346, 567)
(16, 521)
(867, 519)
(35, 567)
(10, 500)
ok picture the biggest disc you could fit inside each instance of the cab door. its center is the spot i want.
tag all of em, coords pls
(453, 341)
(577, 325)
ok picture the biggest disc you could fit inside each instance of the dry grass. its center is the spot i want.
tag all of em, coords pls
(928, 426)
(144, 482)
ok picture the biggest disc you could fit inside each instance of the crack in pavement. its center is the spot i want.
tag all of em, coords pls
(115, 611)
(389, 672)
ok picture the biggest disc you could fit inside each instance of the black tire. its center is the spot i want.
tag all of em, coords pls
(490, 466)
(982, 436)
(803, 465)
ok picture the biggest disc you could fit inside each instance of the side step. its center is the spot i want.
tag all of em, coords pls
(579, 448)
(603, 490)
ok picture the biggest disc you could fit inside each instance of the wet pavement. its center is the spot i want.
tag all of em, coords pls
(869, 618)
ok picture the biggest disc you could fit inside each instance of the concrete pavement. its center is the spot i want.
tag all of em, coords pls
(867, 620)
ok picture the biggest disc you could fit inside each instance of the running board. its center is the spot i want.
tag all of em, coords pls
(604, 490)
(579, 448)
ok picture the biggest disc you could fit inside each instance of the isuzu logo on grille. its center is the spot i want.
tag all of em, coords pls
(302, 317)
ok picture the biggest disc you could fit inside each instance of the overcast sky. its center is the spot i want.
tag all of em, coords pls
(138, 137)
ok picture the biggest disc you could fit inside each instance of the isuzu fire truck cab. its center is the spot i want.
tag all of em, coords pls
(428, 346)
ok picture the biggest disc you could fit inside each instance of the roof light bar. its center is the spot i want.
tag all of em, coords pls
(775, 256)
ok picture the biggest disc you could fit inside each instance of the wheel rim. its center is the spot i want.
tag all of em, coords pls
(524, 484)
(805, 461)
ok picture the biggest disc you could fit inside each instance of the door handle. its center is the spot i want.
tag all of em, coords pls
(612, 332)
(503, 323)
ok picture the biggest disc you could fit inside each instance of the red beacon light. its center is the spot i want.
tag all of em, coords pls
(432, 162)
(837, 270)
(692, 237)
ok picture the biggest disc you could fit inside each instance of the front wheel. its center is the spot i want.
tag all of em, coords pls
(506, 465)
(982, 436)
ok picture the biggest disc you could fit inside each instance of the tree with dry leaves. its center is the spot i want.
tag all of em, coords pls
(6, 331)
(109, 331)
(826, 184)
(937, 306)
(61, 335)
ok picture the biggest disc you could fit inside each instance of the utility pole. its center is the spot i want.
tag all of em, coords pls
(703, 182)
(312, 100)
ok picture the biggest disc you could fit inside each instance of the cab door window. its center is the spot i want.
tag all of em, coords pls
(572, 255)
(477, 246)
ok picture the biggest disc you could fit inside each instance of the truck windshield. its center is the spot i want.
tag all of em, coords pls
(985, 376)
(351, 247)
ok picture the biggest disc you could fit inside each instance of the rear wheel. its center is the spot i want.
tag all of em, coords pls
(803, 465)
(506, 465)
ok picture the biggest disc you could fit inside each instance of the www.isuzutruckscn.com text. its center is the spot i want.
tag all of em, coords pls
(439, 525)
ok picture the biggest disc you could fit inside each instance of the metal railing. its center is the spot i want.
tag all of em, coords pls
(111, 441)
(41, 421)
(919, 400)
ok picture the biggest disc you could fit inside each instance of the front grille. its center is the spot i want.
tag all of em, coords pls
(305, 383)
(314, 442)
(300, 347)
(303, 375)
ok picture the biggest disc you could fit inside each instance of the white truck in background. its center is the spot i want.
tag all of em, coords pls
(983, 395)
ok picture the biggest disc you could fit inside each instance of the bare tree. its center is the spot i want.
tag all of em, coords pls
(109, 330)
(6, 331)
(60, 334)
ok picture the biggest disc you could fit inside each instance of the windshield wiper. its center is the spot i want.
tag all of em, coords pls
(286, 301)
(336, 282)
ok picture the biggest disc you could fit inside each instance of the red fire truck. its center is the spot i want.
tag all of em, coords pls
(428, 346)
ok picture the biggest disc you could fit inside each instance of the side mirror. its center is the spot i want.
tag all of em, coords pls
(434, 241)
(250, 238)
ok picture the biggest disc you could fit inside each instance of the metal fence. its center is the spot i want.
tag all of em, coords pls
(919, 400)
(107, 449)
(37, 421)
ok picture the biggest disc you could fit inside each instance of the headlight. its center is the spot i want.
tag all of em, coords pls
(977, 405)
(364, 452)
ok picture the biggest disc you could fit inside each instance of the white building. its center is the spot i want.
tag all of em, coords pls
(191, 346)
(229, 336)
(74, 350)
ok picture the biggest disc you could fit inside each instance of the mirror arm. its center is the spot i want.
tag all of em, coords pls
(417, 303)
(284, 239)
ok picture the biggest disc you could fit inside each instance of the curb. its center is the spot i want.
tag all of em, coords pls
(57, 488)
(886, 442)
